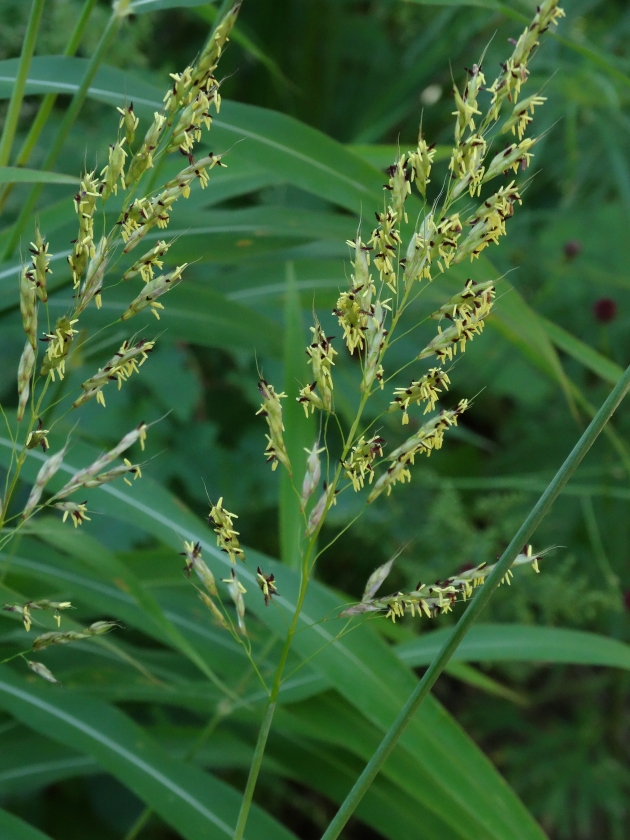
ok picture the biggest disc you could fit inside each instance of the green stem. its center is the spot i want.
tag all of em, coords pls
(265, 727)
(476, 606)
(13, 113)
(62, 132)
(47, 102)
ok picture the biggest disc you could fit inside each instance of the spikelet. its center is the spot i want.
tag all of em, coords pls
(28, 305)
(358, 464)
(428, 438)
(267, 584)
(46, 472)
(146, 264)
(77, 511)
(41, 262)
(152, 291)
(87, 476)
(195, 562)
(227, 537)
(424, 390)
(271, 410)
(59, 344)
(237, 590)
(42, 671)
(98, 628)
(312, 475)
(26, 610)
(25, 372)
(84, 205)
(128, 360)
(129, 122)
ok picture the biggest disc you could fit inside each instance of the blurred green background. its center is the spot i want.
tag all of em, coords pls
(363, 72)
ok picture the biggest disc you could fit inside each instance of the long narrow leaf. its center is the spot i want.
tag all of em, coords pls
(193, 803)
(13, 828)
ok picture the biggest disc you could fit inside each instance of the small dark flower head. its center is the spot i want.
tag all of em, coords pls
(605, 310)
(572, 249)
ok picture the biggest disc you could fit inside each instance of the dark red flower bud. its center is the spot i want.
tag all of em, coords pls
(572, 248)
(605, 310)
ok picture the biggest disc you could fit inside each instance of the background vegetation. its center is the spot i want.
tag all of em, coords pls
(362, 73)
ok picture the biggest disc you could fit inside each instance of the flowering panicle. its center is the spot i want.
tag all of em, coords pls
(424, 390)
(267, 584)
(237, 590)
(227, 537)
(25, 610)
(195, 562)
(435, 599)
(84, 205)
(25, 371)
(59, 344)
(358, 464)
(120, 367)
(153, 290)
(271, 409)
(98, 628)
(146, 264)
(429, 437)
(41, 264)
(77, 511)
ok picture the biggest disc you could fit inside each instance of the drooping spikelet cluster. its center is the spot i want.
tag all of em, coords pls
(126, 361)
(429, 437)
(432, 599)
(177, 128)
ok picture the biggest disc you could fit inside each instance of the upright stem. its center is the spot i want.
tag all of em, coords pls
(477, 604)
(13, 113)
(62, 132)
(265, 726)
(48, 101)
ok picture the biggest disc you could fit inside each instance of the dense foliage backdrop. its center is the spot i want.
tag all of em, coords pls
(362, 73)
